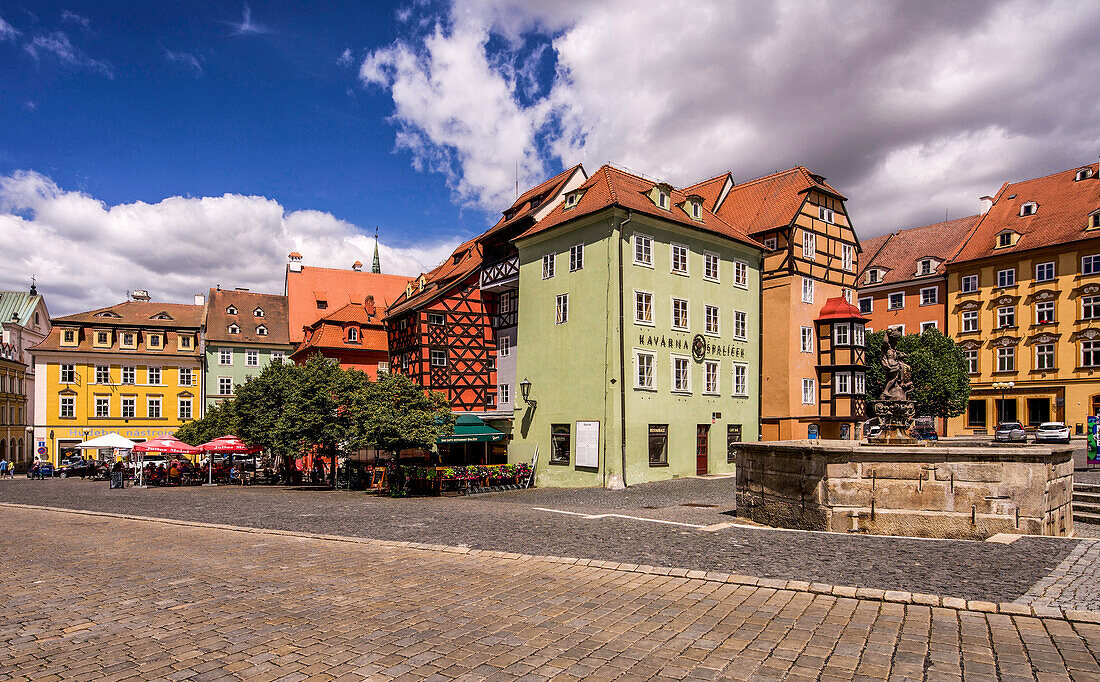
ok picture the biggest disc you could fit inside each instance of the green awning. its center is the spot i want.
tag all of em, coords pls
(470, 429)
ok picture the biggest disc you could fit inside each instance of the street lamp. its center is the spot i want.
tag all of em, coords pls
(525, 391)
(1003, 386)
(29, 447)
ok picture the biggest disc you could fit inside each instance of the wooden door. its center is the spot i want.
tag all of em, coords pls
(702, 433)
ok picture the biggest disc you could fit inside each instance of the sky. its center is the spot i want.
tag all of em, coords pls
(174, 147)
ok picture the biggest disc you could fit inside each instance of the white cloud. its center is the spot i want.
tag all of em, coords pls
(75, 18)
(963, 94)
(58, 45)
(185, 59)
(246, 26)
(7, 31)
(86, 253)
(345, 58)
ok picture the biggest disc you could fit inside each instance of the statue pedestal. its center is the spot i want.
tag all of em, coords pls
(895, 416)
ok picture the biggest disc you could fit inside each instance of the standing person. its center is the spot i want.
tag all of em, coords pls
(3, 468)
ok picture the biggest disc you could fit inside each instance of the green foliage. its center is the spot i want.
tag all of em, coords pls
(941, 384)
(401, 415)
(219, 420)
(326, 407)
(260, 404)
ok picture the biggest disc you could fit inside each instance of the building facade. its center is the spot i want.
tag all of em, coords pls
(24, 323)
(353, 336)
(14, 408)
(1024, 304)
(812, 256)
(134, 368)
(242, 332)
(639, 316)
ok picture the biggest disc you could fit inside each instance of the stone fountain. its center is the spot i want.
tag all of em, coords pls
(893, 410)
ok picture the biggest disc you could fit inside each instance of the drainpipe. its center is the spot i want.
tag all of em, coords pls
(622, 352)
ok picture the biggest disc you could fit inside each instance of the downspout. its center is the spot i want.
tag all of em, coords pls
(760, 352)
(622, 352)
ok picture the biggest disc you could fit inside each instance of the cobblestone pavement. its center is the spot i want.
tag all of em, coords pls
(1073, 584)
(110, 599)
(516, 522)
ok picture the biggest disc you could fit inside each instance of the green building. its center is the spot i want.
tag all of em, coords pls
(242, 332)
(639, 316)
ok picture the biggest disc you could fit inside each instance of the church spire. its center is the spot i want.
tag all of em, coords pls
(376, 266)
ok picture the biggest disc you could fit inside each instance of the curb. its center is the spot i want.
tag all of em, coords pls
(843, 591)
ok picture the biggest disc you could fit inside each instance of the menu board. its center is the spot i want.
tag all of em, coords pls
(588, 444)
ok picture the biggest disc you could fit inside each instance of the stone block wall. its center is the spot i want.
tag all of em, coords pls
(923, 490)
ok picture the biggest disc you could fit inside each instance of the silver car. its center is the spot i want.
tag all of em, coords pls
(1010, 432)
(1052, 432)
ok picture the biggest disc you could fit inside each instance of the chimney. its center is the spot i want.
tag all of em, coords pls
(987, 203)
(200, 299)
(294, 263)
(140, 295)
(357, 266)
(368, 306)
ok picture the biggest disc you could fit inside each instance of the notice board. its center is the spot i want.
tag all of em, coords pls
(588, 444)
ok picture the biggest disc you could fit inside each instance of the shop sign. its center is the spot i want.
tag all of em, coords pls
(699, 346)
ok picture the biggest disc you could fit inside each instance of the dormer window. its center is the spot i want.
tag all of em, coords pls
(662, 199)
(102, 338)
(1094, 221)
(258, 312)
(69, 337)
(161, 316)
(1083, 174)
(572, 199)
(1007, 238)
(261, 330)
(231, 310)
(107, 313)
(874, 276)
(154, 341)
(353, 335)
(234, 329)
(825, 214)
(925, 266)
(1028, 209)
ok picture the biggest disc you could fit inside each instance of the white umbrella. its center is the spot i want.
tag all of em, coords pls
(110, 440)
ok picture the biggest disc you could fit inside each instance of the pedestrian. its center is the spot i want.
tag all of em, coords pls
(3, 468)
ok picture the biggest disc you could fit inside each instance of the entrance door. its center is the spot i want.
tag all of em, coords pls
(1038, 411)
(702, 433)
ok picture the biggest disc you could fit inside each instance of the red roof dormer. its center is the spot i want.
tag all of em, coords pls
(839, 309)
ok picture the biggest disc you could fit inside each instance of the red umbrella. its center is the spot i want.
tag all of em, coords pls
(167, 445)
(229, 445)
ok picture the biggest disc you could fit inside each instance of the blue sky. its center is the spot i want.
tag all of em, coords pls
(176, 146)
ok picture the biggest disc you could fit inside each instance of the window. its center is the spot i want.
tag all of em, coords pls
(808, 397)
(711, 321)
(843, 383)
(1090, 307)
(740, 274)
(847, 257)
(662, 198)
(924, 267)
(929, 295)
(67, 408)
(807, 340)
(1094, 221)
(258, 312)
(185, 342)
(899, 327)
(841, 333)
(807, 290)
(1083, 174)
(504, 346)
(658, 445)
(740, 325)
(825, 214)
(102, 406)
(643, 250)
(502, 394)
(710, 266)
(506, 303)
(969, 284)
(129, 339)
(740, 379)
(225, 356)
(68, 374)
(225, 386)
(561, 310)
(975, 414)
(69, 336)
(643, 369)
(681, 374)
(643, 307)
(153, 374)
(102, 374)
(101, 338)
(931, 324)
(1044, 312)
(154, 340)
(322, 305)
(1044, 356)
(1090, 353)
(353, 337)
(1006, 316)
(231, 310)
(234, 329)
(277, 355)
(971, 357)
(1006, 277)
(1044, 272)
(184, 408)
(1006, 359)
(770, 243)
(679, 313)
(435, 319)
(129, 375)
(1029, 209)
(847, 293)
(559, 443)
(859, 383)
(696, 210)
(1004, 239)
(970, 321)
(1090, 265)
(809, 245)
(261, 330)
(438, 357)
(548, 262)
(866, 305)
(252, 356)
(710, 377)
(185, 376)
(576, 257)
(680, 259)
(895, 301)
(874, 276)
(858, 330)
(129, 407)
(153, 408)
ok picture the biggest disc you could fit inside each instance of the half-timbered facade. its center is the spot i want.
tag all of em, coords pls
(841, 342)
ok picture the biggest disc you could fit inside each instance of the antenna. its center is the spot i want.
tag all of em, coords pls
(945, 214)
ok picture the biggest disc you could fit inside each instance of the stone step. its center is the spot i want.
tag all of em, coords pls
(1086, 487)
(1087, 498)
(1086, 507)
(1081, 517)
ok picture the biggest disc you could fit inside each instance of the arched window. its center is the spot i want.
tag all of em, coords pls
(353, 334)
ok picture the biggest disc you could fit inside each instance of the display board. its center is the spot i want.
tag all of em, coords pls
(588, 444)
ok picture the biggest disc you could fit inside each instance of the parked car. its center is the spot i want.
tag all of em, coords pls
(1052, 432)
(84, 468)
(1010, 432)
(872, 431)
(924, 433)
(40, 470)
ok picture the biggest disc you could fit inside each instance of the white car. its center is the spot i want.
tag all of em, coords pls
(1052, 432)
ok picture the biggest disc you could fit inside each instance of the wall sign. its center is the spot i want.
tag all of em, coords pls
(588, 444)
(685, 342)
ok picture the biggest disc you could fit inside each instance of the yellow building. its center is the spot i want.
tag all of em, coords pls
(1024, 304)
(134, 369)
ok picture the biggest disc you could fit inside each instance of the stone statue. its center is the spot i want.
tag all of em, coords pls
(898, 376)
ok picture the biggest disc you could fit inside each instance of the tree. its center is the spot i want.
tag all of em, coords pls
(402, 415)
(261, 403)
(219, 420)
(941, 383)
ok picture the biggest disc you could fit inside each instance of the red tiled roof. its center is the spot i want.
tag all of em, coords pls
(340, 287)
(771, 201)
(610, 186)
(839, 309)
(532, 200)
(460, 264)
(1064, 205)
(217, 319)
(710, 189)
(897, 253)
(139, 314)
(329, 332)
